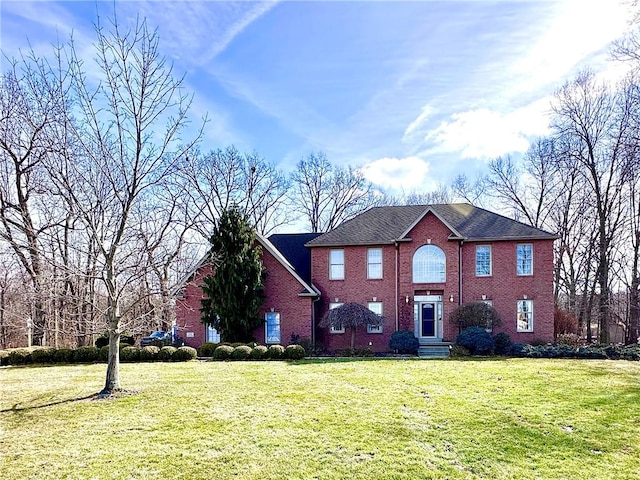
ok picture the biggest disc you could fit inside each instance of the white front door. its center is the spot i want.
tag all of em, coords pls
(428, 317)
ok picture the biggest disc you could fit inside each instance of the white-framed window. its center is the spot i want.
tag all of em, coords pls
(525, 316)
(483, 260)
(272, 328)
(429, 265)
(212, 335)
(524, 259)
(375, 307)
(374, 263)
(336, 264)
(335, 329)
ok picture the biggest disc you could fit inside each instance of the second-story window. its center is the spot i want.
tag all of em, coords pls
(374, 263)
(483, 261)
(524, 259)
(336, 265)
(429, 265)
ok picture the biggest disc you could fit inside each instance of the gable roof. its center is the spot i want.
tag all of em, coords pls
(386, 225)
(292, 247)
(308, 290)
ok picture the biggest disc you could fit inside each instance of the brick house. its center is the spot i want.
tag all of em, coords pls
(411, 264)
(289, 296)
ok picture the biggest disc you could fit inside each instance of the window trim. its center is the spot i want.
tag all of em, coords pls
(426, 280)
(530, 273)
(276, 316)
(332, 330)
(331, 265)
(490, 261)
(371, 329)
(531, 319)
(369, 263)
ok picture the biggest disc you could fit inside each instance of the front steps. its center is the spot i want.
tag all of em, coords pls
(434, 350)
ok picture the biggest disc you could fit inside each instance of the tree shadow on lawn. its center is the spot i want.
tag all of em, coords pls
(94, 396)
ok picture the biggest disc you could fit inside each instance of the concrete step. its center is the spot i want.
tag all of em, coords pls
(439, 350)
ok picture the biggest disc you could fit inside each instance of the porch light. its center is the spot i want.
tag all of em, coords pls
(406, 299)
(484, 297)
(451, 298)
(524, 296)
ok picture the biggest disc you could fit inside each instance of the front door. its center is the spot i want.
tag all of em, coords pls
(428, 317)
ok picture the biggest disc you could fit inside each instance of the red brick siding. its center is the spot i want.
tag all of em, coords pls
(429, 228)
(356, 288)
(504, 287)
(281, 293)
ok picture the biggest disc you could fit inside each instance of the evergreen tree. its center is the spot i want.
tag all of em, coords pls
(233, 293)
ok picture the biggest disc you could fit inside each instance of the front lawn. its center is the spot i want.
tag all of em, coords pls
(365, 419)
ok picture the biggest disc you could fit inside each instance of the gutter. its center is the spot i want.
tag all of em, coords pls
(460, 265)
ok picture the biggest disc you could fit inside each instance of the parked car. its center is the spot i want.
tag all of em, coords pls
(158, 339)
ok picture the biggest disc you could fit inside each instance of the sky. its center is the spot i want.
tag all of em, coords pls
(413, 93)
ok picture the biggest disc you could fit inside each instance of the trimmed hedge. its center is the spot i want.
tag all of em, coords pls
(223, 352)
(259, 352)
(207, 349)
(241, 352)
(294, 352)
(20, 356)
(43, 355)
(477, 340)
(184, 354)
(166, 353)
(149, 353)
(85, 354)
(130, 354)
(275, 352)
(64, 355)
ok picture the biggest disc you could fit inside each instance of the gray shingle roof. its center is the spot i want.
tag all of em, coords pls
(291, 246)
(381, 225)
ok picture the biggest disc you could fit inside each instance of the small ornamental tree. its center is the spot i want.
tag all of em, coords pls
(475, 314)
(233, 293)
(350, 315)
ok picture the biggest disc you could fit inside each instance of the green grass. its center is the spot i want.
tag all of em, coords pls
(367, 419)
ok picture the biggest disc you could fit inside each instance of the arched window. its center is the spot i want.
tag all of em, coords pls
(429, 265)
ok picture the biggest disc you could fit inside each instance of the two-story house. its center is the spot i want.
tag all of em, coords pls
(411, 264)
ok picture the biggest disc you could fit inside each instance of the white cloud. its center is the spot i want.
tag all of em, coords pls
(419, 125)
(485, 133)
(407, 173)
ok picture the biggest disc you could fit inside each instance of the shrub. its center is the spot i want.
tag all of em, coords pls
(569, 339)
(4, 358)
(459, 351)
(184, 354)
(503, 344)
(43, 355)
(477, 340)
(207, 349)
(241, 352)
(165, 353)
(305, 342)
(85, 354)
(259, 352)
(294, 352)
(564, 322)
(20, 356)
(103, 354)
(516, 349)
(537, 342)
(129, 354)
(404, 341)
(275, 352)
(149, 353)
(223, 352)
(128, 339)
(237, 344)
(475, 314)
(103, 339)
(63, 355)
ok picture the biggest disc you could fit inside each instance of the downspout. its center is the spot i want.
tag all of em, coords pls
(460, 272)
(313, 321)
(396, 282)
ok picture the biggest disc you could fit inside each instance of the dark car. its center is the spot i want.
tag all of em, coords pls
(158, 339)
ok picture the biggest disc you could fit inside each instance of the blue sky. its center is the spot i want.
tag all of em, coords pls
(412, 92)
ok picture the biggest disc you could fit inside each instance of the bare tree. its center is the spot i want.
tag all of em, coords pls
(128, 142)
(222, 178)
(327, 195)
(31, 108)
(597, 118)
